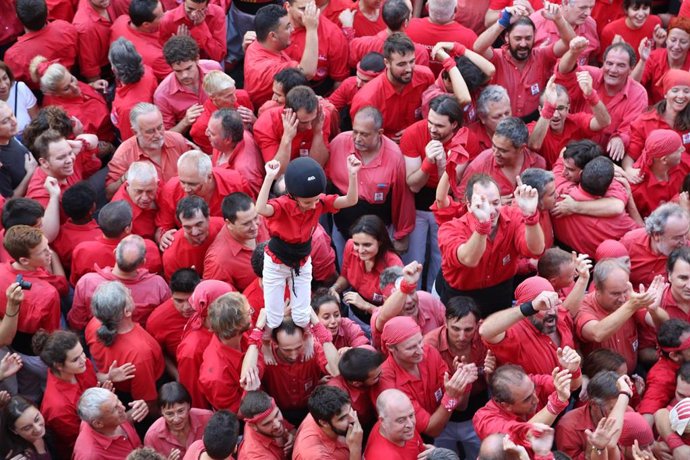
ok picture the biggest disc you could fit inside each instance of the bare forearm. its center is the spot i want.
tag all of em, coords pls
(352, 196)
(603, 207)
(332, 358)
(534, 237)
(601, 115)
(543, 416)
(608, 326)
(390, 309)
(417, 180)
(20, 190)
(182, 126)
(262, 198)
(283, 153)
(8, 329)
(437, 422)
(568, 62)
(442, 199)
(536, 139)
(572, 302)
(310, 57)
(638, 70)
(482, 45)
(319, 151)
(491, 17)
(471, 252)
(51, 219)
(494, 327)
(460, 90)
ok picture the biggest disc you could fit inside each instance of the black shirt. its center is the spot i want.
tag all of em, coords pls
(12, 171)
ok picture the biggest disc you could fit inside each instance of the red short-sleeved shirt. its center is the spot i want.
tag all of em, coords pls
(219, 376)
(260, 66)
(166, 324)
(91, 444)
(93, 31)
(644, 263)
(41, 305)
(632, 37)
(643, 126)
(143, 220)
(570, 431)
(547, 34)
(361, 46)
(291, 224)
(426, 33)
(333, 51)
(576, 127)
(360, 398)
(90, 108)
(190, 355)
(661, 386)
(654, 70)
(311, 443)
(210, 34)
(652, 192)
(364, 26)
(198, 130)
(256, 446)
(72, 234)
(127, 96)
(379, 447)
(164, 441)
(183, 254)
(147, 44)
(367, 284)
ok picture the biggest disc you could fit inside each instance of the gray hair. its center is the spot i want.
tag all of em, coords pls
(51, 78)
(201, 161)
(130, 253)
(143, 171)
(514, 129)
(492, 93)
(537, 178)
(442, 11)
(602, 387)
(373, 113)
(441, 453)
(390, 275)
(141, 108)
(89, 405)
(108, 306)
(655, 223)
(126, 61)
(604, 268)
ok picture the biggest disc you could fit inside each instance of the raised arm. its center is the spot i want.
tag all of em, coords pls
(493, 328)
(541, 128)
(310, 56)
(394, 304)
(353, 167)
(569, 60)
(599, 331)
(507, 16)
(262, 206)
(601, 115)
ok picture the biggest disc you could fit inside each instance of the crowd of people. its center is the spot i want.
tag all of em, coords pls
(382, 229)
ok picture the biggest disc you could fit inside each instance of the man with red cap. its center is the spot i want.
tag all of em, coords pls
(419, 371)
(480, 250)
(612, 249)
(661, 168)
(537, 334)
(267, 435)
(664, 230)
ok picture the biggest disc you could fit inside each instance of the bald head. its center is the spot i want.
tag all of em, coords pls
(130, 253)
(492, 448)
(396, 414)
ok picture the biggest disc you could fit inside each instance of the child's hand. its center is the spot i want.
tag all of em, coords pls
(353, 165)
(272, 169)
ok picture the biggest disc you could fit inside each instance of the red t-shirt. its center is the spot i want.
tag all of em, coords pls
(210, 34)
(332, 60)
(363, 26)
(190, 355)
(632, 37)
(198, 130)
(147, 44)
(644, 263)
(379, 447)
(654, 70)
(661, 386)
(367, 284)
(93, 32)
(260, 66)
(576, 127)
(361, 46)
(165, 324)
(72, 234)
(127, 96)
(219, 376)
(427, 34)
(183, 254)
(90, 108)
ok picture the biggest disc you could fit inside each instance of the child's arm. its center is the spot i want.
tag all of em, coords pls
(262, 206)
(353, 166)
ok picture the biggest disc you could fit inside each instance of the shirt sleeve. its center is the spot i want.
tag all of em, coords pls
(213, 43)
(160, 99)
(267, 135)
(659, 392)
(403, 203)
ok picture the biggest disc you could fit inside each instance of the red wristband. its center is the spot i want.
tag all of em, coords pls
(407, 288)
(483, 228)
(255, 337)
(449, 403)
(459, 49)
(555, 405)
(322, 334)
(577, 374)
(674, 441)
(533, 219)
(428, 167)
(548, 110)
(593, 98)
(448, 64)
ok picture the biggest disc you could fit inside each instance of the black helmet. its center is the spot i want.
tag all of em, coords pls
(304, 178)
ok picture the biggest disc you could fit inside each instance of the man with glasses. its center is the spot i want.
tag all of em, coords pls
(202, 21)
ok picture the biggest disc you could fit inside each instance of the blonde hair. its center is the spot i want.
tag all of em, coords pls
(52, 76)
(216, 81)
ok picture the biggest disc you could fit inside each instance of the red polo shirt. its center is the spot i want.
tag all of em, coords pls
(41, 305)
(380, 180)
(361, 46)
(230, 261)
(136, 347)
(90, 108)
(93, 32)
(652, 192)
(427, 34)
(219, 376)
(500, 259)
(661, 386)
(485, 163)
(424, 391)
(91, 444)
(492, 418)
(164, 441)
(183, 254)
(654, 70)
(174, 145)
(367, 284)
(59, 407)
(606, 11)
(360, 398)
(570, 431)
(101, 252)
(260, 66)
(623, 341)
(380, 447)
(291, 224)
(57, 40)
(256, 446)
(478, 140)
(165, 324)
(576, 127)
(644, 125)
(190, 355)
(61, 9)
(523, 344)
(147, 44)
(399, 109)
(334, 8)
(332, 60)
(349, 334)
(644, 263)
(255, 296)
(198, 130)
(669, 303)
(127, 96)
(343, 94)
(72, 234)
(210, 34)
(632, 37)
(311, 443)
(268, 130)
(143, 220)
(173, 99)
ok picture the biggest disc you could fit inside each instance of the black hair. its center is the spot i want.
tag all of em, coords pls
(460, 306)
(447, 105)
(234, 203)
(597, 176)
(180, 48)
(582, 152)
(184, 280)
(397, 43)
(289, 78)
(188, 206)
(79, 200)
(141, 11)
(172, 393)
(356, 363)
(33, 14)
(220, 435)
(257, 259)
(394, 14)
(267, 19)
(114, 218)
(326, 402)
(21, 211)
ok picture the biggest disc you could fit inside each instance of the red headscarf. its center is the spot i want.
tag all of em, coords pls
(529, 289)
(399, 329)
(659, 143)
(675, 77)
(610, 249)
(204, 294)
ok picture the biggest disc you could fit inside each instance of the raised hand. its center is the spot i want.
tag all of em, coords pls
(10, 364)
(583, 265)
(642, 299)
(412, 272)
(561, 380)
(546, 301)
(272, 169)
(138, 410)
(122, 373)
(52, 186)
(480, 207)
(355, 434)
(290, 124)
(584, 81)
(15, 296)
(250, 381)
(310, 17)
(578, 45)
(489, 363)
(603, 434)
(540, 437)
(645, 48)
(660, 36)
(551, 11)
(656, 289)
(434, 150)
(550, 94)
(353, 165)
(568, 359)
(526, 197)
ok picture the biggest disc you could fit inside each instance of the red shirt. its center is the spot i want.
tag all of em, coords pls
(361, 46)
(367, 284)
(424, 391)
(606, 11)
(645, 264)
(380, 447)
(246, 159)
(363, 26)
(643, 126)
(93, 32)
(174, 145)
(380, 180)
(61, 9)
(332, 60)
(59, 407)
(143, 220)
(669, 303)
(399, 109)
(360, 398)
(190, 355)
(93, 445)
(255, 296)
(219, 376)
(343, 94)
(470, 13)
(652, 192)
(260, 66)
(547, 34)
(226, 181)
(576, 127)
(148, 291)
(427, 34)
(291, 224)
(654, 70)
(210, 34)
(485, 163)
(90, 108)
(164, 441)
(268, 130)
(349, 335)
(165, 324)
(136, 347)
(41, 305)
(334, 8)
(256, 446)
(198, 130)
(10, 27)
(311, 443)
(183, 254)
(523, 344)
(524, 80)
(147, 44)
(72, 234)
(500, 259)
(478, 140)
(661, 386)
(492, 418)
(570, 431)
(101, 252)
(127, 96)
(632, 37)
(322, 256)
(173, 99)
(229, 260)
(57, 40)
(623, 341)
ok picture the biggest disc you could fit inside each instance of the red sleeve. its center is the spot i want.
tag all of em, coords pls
(403, 204)
(583, 317)
(213, 43)
(89, 57)
(267, 135)
(80, 313)
(188, 370)
(338, 68)
(498, 4)
(637, 139)
(486, 422)
(118, 164)
(344, 93)
(88, 162)
(165, 217)
(637, 105)
(659, 392)
(161, 100)
(568, 440)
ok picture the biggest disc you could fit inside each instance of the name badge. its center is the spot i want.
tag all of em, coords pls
(686, 138)
(635, 344)
(534, 89)
(378, 196)
(506, 260)
(438, 394)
